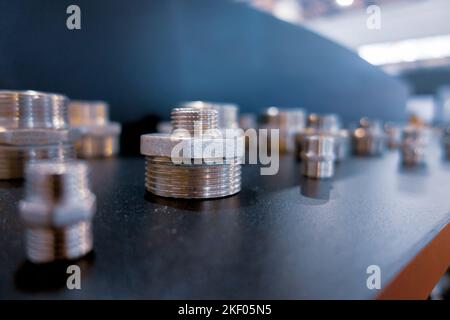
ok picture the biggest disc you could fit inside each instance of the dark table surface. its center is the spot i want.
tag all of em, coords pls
(282, 236)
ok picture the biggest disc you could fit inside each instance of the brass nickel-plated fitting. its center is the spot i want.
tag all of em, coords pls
(369, 138)
(98, 137)
(57, 211)
(413, 146)
(198, 174)
(33, 126)
(318, 156)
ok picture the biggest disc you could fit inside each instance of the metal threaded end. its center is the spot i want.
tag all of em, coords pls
(319, 169)
(318, 156)
(57, 210)
(47, 245)
(227, 113)
(413, 146)
(88, 113)
(14, 158)
(194, 120)
(55, 182)
(166, 179)
(32, 109)
(92, 146)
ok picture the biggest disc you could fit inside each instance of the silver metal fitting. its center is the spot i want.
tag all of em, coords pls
(318, 156)
(33, 126)
(57, 211)
(290, 122)
(326, 124)
(210, 164)
(98, 137)
(369, 138)
(413, 146)
(227, 113)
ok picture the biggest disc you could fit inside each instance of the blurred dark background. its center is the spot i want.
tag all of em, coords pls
(144, 56)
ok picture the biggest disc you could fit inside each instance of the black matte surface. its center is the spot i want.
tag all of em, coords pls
(282, 237)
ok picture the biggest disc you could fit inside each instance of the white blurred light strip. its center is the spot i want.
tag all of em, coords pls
(288, 10)
(406, 50)
(344, 3)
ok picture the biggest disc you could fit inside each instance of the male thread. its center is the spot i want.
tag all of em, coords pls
(193, 178)
(57, 211)
(318, 156)
(33, 126)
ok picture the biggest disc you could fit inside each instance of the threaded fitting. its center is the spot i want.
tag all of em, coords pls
(369, 139)
(197, 178)
(413, 146)
(33, 126)
(195, 121)
(166, 179)
(33, 109)
(227, 113)
(57, 211)
(98, 137)
(318, 156)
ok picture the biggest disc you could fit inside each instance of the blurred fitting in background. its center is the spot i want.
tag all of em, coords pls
(318, 156)
(290, 122)
(413, 146)
(198, 174)
(57, 211)
(326, 124)
(33, 126)
(369, 138)
(98, 137)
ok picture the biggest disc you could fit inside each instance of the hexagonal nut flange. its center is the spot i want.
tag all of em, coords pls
(166, 145)
(40, 214)
(18, 137)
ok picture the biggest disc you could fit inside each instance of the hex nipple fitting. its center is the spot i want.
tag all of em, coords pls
(369, 138)
(33, 126)
(98, 137)
(413, 146)
(318, 156)
(193, 175)
(326, 124)
(57, 211)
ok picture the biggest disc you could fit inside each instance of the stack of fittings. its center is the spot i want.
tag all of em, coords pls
(330, 125)
(290, 122)
(57, 211)
(227, 112)
(393, 135)
(198, 172)
(98, 137)
(369, 138)
(318, 156)
(33, 126)
(413, 146)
